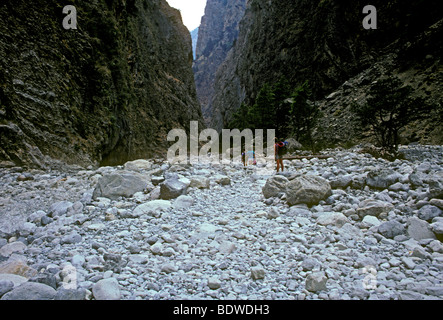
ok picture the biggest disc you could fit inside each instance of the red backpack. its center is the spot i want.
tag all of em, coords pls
(282, 148)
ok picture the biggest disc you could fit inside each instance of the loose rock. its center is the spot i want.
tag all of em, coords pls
(120, 184)
(172, 188)
(308, 190)
(316, 282)
(200, 244)
(257, 273)
(106, 289)
(31, 291)
(391, 229)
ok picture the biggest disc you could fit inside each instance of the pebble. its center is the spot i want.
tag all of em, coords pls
(316, 282)
(223, 239)
(257, 273)
(214, 283)
(168, 268)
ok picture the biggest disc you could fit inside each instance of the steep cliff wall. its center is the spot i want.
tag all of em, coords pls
(107, 92)
(217, 35)
(322, 41)
(418, 64)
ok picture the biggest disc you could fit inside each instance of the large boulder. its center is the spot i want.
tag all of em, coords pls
(5, 286)
(60, 208)
(370, 221)
(436, 185)
(199, 182)
(152, 208)
(257, 273)
(138, 165)
(16, 264)
(172, 188)
(375, 208)
(382, 178)
(222, 179)
(275, 186)
(342, 181)
(429, 212)
(14, 278)
(183, 202)
(336, 219)
(391, 229)
(307, 189)
(120, 184)
(31, 291)
(419, 229)
(437, 228)
(417, 178)
(106, 289)
(437, 202)
(13, 247)
(293, 145)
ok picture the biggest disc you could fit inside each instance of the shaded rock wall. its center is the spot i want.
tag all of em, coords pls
(217, 35)
(320, 41)
(107, 92)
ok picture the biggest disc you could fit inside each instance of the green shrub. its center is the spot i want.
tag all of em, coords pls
(390, 107)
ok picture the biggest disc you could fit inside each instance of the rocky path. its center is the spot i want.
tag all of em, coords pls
(346, 227)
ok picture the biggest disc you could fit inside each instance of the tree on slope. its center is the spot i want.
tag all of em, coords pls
(389, 108)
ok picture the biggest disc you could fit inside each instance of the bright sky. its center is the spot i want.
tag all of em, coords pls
(191, 10)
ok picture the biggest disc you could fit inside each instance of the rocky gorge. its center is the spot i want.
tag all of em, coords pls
(344, 226)
(90, 209)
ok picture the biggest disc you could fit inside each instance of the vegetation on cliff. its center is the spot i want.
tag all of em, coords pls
(325, 43)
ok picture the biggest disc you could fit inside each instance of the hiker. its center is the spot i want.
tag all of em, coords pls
(251, 158)
(279, 149)
(248, 158)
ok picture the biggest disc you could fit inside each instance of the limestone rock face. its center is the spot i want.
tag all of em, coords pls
(217, 34)
(324, 42)
(108, 92)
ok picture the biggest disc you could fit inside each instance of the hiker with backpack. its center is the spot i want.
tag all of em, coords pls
(280, 148)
